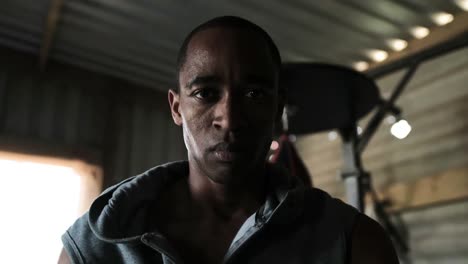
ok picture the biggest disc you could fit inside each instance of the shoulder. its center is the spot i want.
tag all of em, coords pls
(320, 203)
(370, 243)
(83, 246)
(344, 232)
(77, 236)
(331, 219)
(117, 218)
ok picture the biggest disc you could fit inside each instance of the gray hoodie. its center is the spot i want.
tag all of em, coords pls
(295, 225)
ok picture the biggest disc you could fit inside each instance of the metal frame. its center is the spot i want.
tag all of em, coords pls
(357, 180)
(458, 42)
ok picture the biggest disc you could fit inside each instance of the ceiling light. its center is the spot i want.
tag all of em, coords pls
(377, 55)
(463, 4)
(397, 44)
(361, 65)
(442, 18)
(401, 129)
(419, 32)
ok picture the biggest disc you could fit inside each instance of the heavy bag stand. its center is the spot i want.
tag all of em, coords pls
(325, 97)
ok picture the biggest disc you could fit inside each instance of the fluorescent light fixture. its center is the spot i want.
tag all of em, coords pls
(397, 44)
(274, 145)
(332, 135)
(401, 129)
(442, 18)
(361, 65)
(377, 55)
(419, 32)
(463, 4)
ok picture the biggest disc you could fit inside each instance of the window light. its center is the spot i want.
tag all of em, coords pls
(39, 201)
(40, 197)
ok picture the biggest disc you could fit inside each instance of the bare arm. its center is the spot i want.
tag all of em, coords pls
(370, 243)
(64, 258)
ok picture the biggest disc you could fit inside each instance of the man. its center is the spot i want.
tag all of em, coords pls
(225, 204)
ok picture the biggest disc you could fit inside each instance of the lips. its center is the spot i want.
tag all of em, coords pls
(227, 152)
(225, 156)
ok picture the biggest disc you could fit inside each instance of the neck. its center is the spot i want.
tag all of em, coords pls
(228, 199)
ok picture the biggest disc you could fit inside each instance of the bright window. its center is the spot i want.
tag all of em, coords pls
(38, 202)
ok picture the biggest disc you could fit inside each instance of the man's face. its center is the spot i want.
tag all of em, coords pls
(227, 103)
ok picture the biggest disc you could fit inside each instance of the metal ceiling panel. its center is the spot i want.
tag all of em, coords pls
(138, 40)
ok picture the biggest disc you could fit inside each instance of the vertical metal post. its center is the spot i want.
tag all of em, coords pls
(354, 177)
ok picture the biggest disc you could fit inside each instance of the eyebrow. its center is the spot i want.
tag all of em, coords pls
(260, 80)
(209, 79)
(199, 80)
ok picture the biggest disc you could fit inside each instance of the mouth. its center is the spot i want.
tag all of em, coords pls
(225, 156)
(226, 152)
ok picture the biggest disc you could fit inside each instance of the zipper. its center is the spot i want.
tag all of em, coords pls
(242, 241)
(161, 245)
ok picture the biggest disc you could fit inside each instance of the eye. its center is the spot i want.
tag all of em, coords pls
(255, 93)
(206, 94)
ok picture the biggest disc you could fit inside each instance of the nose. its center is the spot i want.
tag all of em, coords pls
(228, 114)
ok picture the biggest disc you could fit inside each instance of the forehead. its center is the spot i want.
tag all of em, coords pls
(238, 50)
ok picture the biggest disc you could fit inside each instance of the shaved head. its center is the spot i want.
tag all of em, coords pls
(229, 22)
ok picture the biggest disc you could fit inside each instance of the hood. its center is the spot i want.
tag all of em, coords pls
(120, 214)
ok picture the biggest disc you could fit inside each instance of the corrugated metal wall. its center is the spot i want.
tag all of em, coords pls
(438, 234)
(70, 112)
(435, 102)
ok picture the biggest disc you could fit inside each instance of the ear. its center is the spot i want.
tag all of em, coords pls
(174, 103)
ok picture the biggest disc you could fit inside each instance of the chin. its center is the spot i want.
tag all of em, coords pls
(236, 172)
(223, 173)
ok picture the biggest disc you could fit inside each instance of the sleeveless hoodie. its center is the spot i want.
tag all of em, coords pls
(295, 225)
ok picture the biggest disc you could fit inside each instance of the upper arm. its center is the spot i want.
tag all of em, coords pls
(64, 258)
(370, 243)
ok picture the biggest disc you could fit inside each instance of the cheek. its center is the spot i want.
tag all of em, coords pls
(263, 116)
(196, 120)
(195, 125)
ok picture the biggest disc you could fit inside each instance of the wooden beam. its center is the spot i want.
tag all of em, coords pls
(30, 146)
(438, 36)
(445, 187)
(50, 28)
